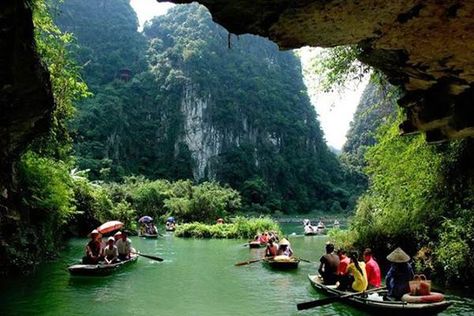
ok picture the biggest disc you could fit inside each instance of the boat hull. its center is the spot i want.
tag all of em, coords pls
(378, 306)
(281, 265)
(149, 236)
(99, 269)
(256, 245)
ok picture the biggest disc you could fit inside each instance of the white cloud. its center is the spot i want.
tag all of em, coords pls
(147, 9)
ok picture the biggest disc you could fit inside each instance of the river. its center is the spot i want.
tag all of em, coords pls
(198, 277)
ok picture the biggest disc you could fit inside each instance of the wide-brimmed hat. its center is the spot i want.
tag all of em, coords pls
(111, 239)
(398, 256)
(118, 233)
(284, 242)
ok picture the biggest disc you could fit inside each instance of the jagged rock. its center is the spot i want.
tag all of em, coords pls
(26, 100)
(425, 47)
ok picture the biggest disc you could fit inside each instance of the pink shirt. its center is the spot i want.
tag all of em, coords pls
(373, 273)
(343, 263)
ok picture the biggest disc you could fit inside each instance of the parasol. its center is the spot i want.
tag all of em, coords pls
(145, 219)
(109, 226)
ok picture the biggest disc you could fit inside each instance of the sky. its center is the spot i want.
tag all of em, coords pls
(335, 109)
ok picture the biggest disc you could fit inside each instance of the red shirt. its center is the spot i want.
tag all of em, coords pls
(373, 273)
(343, 263)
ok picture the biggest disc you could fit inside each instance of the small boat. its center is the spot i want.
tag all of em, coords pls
(150, 236)
(373, 303)
(100, 269)
(280, 263)
(256, 244)
(170, 229)
(310, 230)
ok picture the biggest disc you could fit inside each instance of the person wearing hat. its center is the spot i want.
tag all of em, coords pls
(284, 248)
(110, 252)
(399, 276)
(93, 248)
(117, 235)
(329, 263)
(124, 246)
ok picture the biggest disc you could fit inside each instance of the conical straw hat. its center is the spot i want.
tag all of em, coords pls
(284, 242)
(398, 256)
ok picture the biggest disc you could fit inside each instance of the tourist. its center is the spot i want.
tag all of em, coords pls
(124, 246)
(263, 239)
(399, 276)
(329, 264)
(117, 236)
(93, 249)
(356, 272)
(373, 270)
(343, 262)
(272, 249)
(284, 248)
(110, 253)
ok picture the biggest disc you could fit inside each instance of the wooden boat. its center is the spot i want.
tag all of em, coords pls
(256, 244)
(170, 229)
(151, 236)
(281, 264)
(99, 269)
(373, 303)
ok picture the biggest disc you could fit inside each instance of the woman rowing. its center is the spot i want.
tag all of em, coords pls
(399, 276)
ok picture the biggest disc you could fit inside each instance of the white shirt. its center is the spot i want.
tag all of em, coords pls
(123, 247)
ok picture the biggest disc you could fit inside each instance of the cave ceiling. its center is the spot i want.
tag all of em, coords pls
(424, 47)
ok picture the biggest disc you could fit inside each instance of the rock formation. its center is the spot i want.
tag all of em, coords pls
(425, 47)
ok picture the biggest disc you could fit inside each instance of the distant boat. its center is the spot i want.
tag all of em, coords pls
(310, 230)
(336, 224)
(282, 263)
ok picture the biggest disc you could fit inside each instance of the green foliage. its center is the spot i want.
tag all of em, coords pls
(239, 228)
(53, 47)
(48, 188)
(336, 66)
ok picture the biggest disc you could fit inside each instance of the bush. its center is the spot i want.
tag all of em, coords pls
(239, 228)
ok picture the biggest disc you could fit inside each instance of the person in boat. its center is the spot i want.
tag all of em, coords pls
(110, 252)
(272, 249)
(263, 239)
(328, 266)
(372, 268)
(356, 275)
(273, 236)
(124, 247)
(117, 236)
(343, 262)
(93, 248)
(399, 276)
(220, 221)
(284, 248)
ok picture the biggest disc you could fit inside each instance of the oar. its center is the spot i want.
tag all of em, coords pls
(329, 300)
(247, 262)
(148, 256)
(304, 260)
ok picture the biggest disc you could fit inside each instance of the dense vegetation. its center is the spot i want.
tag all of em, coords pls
(239, 228)
(199, 110)
(419, 196)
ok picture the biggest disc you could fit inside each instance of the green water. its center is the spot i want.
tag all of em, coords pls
(198, 277)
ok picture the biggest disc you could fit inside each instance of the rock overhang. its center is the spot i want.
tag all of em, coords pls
(424, 47)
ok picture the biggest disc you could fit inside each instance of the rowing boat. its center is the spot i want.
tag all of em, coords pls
(151, 236)
(256, 244)
(100, 269)
(289, 264)
(375, 304)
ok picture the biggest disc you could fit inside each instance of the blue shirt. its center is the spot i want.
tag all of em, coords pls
(398, 278)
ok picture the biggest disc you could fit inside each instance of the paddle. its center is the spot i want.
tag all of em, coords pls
(304, 260)
(329, 300)
(247, 262)
(149, 256)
